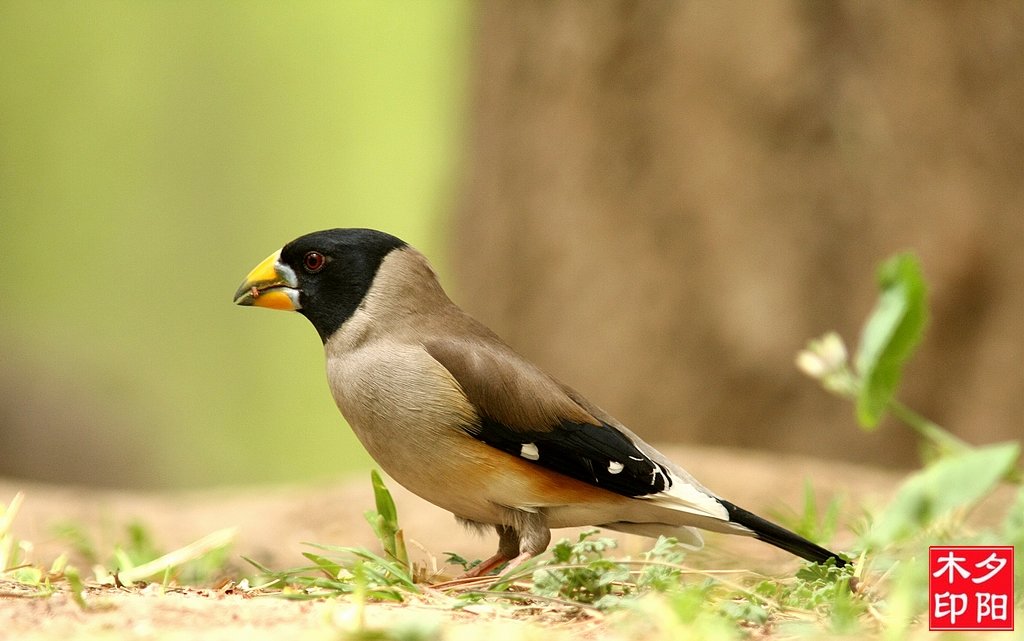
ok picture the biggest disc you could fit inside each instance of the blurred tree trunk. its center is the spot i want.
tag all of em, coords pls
(665, 200)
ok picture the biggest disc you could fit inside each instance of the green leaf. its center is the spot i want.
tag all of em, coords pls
(1013, 526)
(77, 587)
(890, 335)
(1013, 533)
(384, 521)
(954, 482)
(378, 526)
(30, 575)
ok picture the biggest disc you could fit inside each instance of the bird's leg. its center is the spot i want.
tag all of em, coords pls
(517, 543)
(533, 537)
(508, 549)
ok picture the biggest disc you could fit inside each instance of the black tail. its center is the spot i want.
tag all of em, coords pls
(779, 536)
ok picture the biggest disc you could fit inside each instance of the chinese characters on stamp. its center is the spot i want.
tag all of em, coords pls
(970, 587)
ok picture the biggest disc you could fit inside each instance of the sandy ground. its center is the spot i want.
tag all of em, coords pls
(273, 522)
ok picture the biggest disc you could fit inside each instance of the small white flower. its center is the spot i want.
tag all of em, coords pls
(832, 350)
(823, 357)
(811, 364)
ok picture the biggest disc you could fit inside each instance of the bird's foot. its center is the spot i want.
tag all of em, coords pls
(489, 565)
(516, 562)
(485, 567)
(495, 562)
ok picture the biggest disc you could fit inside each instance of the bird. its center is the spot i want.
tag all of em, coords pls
(455, 415)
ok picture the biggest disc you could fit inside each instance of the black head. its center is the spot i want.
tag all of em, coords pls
(324, 275)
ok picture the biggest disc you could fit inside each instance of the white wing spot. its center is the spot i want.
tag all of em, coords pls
(614, 467)
(530, 451)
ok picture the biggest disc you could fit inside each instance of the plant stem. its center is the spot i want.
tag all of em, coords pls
(927, 429)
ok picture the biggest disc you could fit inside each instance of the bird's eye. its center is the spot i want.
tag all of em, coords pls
(313, 262)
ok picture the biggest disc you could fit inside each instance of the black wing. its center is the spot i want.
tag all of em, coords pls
(526, 413)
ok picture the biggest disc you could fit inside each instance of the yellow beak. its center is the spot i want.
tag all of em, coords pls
(270, 284)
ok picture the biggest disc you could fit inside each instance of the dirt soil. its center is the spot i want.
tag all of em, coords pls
(273, 523)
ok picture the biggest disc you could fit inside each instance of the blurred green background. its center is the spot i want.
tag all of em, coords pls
(151, 153)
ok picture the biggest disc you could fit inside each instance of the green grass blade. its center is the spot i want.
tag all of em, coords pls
(331, 568)
(259, 566)
(175, 558)
(393, 571)
(385, 504)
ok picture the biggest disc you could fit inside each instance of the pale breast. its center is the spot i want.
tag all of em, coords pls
(408, 412)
